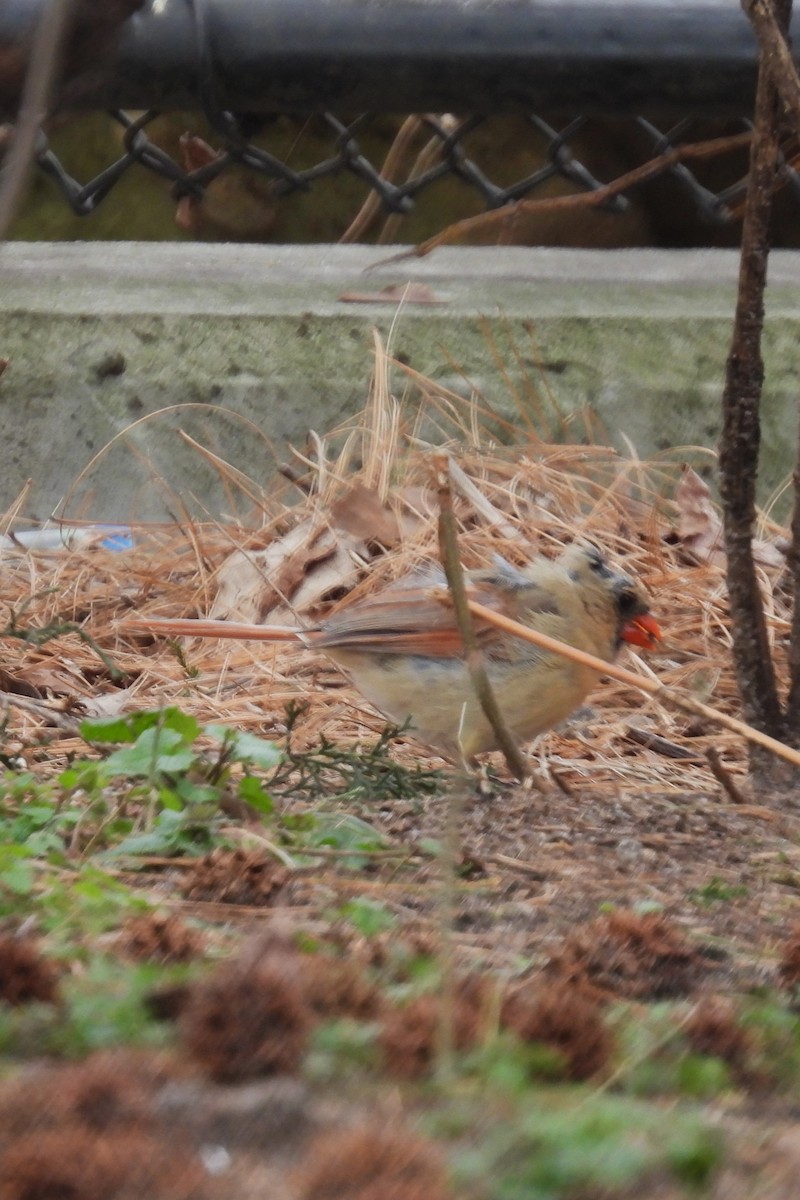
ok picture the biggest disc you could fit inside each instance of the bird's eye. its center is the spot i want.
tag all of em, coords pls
(628, 602)
(596, 561)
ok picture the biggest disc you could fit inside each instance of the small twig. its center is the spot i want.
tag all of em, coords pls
(372, 855)
(403, 140)
(723, 776)
(448, 548)
(39, 79)
(776, 54)
(516, 864)
(451, 561)
(776, 57)
(39, 709)
(639, 175)
(662, 693)
(447, 914)
(560, 782)
(654, 741)
(298, 478)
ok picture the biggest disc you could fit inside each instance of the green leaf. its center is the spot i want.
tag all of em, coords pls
(703, 1076)
(183, 723)
(168, 798)
(247, 747)
(105, 1006)
(252, 791)
(156, 749)
(16, 869)
(131, 726)
(172, 833)
(370, 917)
(344, 831)
(118, 729)
(90, 776)
(44, 841)
(192, 792)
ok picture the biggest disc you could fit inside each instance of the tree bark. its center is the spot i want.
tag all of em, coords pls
(741, 435)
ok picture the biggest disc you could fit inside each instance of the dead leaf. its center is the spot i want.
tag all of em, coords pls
(240, 583)
(110, 704)
(296, 572)
(339, 572)
(396, 293)
(767, 554)
(268, 586)
(54, 677)
(236, 202)
(360, 512)
(17, 686)
(700, 525)
(419, 500)
(195, 152)
(251, 582)
(699, 522)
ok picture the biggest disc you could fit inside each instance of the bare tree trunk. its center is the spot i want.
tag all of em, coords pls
(793, 702)
(741, 435)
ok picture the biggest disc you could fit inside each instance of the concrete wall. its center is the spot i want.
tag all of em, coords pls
(256, 345)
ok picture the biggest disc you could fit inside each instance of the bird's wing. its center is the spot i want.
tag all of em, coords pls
(421, 620)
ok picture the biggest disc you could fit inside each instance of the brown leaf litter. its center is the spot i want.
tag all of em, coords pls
(25, 973)
(235, 877)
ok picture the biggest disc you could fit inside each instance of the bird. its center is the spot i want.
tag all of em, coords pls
(403, 651)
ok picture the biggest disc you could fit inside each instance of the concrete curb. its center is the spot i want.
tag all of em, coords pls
(101, 335)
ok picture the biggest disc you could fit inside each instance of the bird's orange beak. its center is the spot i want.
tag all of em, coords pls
(642, 631)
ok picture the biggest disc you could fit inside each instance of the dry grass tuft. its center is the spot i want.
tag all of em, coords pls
(159, 937)
(624, 954)
(789, 965)
(714, 1028)
(107, 1092)
(235, 877)
(412, 1034)
(335, 987)
(25, 974)
(251, 1018)
(371, 1163)
(565, 1018)
(76, 1163)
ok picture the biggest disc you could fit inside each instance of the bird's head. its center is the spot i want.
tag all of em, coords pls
(587, 566)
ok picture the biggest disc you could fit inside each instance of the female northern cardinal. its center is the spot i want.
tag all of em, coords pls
(404, 653)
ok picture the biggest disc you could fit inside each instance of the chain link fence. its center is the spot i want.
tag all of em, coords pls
(409, 159)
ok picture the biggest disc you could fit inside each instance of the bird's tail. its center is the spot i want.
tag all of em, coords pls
(197, 627)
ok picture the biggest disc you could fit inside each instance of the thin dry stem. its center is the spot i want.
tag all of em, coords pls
(448, 548)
